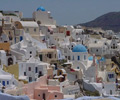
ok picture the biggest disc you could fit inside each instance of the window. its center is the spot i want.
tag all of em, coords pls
(51, 32)
(91, 49)
(60, 73)
(29, 69)
(34, 29)
(40, 56)
(30, 52)
(84, 57)
(76, 76)
(39, 95)
(27, 29)
(72, 47)
(24, 73)
(7, 82)
(68, 57)
(67, 33)
(55, 96)
(73, 57)
(21, 38)
(111, 92)
(59, 55)
(111, 75)
(30, 79)
(48, 30)
(78, 57)
(96, 50)
(16, 25)
(49, 55)
(3, 83)
(78, 67)
(114, 46)
(36, 69)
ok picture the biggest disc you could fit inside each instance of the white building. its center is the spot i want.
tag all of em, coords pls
(25, 47)
(103, 47)
(7, 59)
(30, 27)
(79, 36)
(7, 79)
(81, 61)
(43, 17)
(32, 69)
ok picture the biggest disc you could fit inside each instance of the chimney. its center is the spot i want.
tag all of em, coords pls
(94, 63)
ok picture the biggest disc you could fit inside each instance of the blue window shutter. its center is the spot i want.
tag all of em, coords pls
(7, 82)
(3, 83)
(78, 57)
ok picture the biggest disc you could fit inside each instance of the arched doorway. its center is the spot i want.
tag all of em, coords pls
(38, 22)
(10, 61)
(40, 74)
(44, 96)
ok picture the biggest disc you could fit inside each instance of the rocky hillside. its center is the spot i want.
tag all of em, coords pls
(109, 21)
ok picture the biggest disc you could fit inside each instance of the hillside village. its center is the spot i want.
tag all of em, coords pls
(40, 60)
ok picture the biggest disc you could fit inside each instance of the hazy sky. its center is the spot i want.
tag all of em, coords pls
(64, 11)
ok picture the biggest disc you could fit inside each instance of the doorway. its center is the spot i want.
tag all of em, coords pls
(30, 79)
(10, 61)
(44, 96)
(40, 73)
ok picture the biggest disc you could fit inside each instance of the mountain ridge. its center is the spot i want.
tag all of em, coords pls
(109, 21)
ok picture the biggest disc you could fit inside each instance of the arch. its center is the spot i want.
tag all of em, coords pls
(81, 66)
(44, 96)
(10, 61)
(38, 22)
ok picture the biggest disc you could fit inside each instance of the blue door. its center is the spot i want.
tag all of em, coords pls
(21, 38)
(3, 83)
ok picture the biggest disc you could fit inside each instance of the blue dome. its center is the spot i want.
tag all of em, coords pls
(79, 48)
(102, 59)
(41, 8)
(91, 59)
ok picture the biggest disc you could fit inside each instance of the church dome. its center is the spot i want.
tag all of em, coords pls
(91, 59)
(79, 48)
(41, 8)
